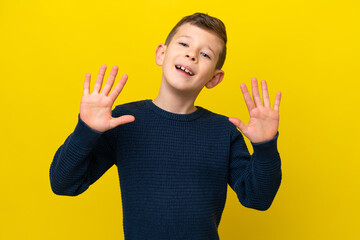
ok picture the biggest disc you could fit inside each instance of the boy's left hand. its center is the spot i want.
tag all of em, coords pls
(264, 121)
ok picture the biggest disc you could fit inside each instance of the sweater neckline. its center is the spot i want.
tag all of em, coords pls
(175, 116)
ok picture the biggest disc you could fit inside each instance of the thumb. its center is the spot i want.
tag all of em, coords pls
(238, 123)
(114, 122)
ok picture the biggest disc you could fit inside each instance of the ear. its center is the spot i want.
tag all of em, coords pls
(160, 54)
(216, 79)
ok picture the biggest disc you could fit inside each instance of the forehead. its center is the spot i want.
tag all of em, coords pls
(200, 35)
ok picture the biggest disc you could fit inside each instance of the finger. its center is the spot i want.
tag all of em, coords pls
(87, 84)
(99, 79)
(255, 92)
(110, 80)
(118, 88)
(238, 123)
(277, 101)
(265, 94)
(248, 100)
(114, 122)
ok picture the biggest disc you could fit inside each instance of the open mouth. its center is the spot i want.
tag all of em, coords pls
(184, 69)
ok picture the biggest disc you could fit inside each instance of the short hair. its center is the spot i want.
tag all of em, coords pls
(205, 22)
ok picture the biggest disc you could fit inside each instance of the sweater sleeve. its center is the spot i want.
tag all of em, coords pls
(83, 158)
(255, 178)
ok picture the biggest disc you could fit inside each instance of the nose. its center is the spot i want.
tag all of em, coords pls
(191, 56)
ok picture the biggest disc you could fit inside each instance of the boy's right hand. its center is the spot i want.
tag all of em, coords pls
(96, 107)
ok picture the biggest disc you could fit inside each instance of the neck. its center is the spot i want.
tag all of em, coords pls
(175, 102)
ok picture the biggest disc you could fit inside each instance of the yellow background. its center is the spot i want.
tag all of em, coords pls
(307, 49)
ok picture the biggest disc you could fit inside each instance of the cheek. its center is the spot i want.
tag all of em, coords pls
(209, 69)
(168, 58)
(167, 67)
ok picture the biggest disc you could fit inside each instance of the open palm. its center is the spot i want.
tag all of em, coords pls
(264, 120)
(96, 107)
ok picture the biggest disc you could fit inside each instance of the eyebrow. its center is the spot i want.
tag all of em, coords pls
(186, 36)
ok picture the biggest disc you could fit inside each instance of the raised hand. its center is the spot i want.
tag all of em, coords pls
(95, 107)
(264, 121)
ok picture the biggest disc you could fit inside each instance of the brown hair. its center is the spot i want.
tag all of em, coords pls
(205, 22)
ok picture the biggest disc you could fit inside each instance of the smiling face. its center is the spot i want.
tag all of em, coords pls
(189, 61)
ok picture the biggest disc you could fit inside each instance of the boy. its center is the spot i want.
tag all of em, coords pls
(174, 160)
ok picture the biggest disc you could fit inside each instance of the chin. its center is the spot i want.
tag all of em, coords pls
(180, 87)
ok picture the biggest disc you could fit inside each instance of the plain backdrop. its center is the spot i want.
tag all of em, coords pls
(309, 50)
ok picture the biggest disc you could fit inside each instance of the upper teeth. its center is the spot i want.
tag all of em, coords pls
(184, 69)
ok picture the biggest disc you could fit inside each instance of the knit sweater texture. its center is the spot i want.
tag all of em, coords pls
(173, 169)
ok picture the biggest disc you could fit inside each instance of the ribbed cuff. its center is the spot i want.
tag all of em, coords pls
(266, 149)
(84, 136)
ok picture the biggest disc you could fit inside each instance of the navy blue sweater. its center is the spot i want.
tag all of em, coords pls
(173, 170)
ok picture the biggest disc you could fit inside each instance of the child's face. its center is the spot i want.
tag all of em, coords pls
(189, 61)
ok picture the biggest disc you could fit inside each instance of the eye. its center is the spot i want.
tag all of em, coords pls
(183, 44)
(205, 55)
